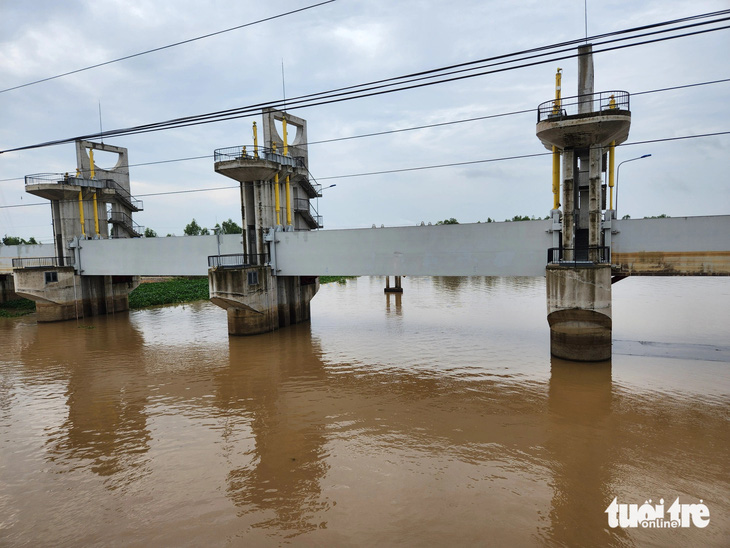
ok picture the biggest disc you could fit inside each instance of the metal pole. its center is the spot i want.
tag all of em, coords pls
(618, 171)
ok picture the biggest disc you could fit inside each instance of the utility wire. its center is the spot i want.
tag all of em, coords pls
(167, 46)
(330, 97)
(412, 128)
(417, 168)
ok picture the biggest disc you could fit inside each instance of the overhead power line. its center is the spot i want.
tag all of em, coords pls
(168, 46)
(416, 168)
(408, 82)
(414, 128)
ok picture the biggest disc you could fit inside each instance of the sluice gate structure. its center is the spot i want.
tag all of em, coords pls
(266, 277)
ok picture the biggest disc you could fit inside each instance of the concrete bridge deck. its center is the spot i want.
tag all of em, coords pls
(693, 246)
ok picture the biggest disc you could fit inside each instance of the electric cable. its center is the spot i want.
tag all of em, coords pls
(416, 168)
(329, 97)
(168, 46)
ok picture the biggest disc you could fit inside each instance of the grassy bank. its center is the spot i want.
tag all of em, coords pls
(16, 307)
(184, 290)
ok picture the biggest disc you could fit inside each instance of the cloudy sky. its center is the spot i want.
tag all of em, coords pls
(343, 43)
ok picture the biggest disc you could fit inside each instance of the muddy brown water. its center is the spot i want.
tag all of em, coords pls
(432, 418)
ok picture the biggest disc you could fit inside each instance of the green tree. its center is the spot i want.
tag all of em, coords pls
(662, 216)
(14, 240)
(193, 228)
(228, 227)
(450, 221)
(149, 233)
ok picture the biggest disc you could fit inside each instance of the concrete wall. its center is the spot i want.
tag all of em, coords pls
(173, 256)
(7, 288)
(10, 252)
(486, 249)
(676, 246)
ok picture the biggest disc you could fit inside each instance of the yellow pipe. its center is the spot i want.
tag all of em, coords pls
(96, 216)
(91, 157)
(558, 78)
(556, 177)
(277, 200)
(611, 160)
(81, 214)
(288, 202)
(255, 141)
(286, 144)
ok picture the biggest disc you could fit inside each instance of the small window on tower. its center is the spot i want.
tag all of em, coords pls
(253, 277)
(51, 277)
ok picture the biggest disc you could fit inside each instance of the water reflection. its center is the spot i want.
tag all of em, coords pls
(279, 382)
(106, 423)
(582, 452)
(436, 419)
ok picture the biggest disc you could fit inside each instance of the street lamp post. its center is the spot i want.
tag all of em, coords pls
(618, 170)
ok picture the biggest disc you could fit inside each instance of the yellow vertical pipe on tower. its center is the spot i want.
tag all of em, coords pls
(277, 199)
(611, 160)
(96, 215)
(255, 141)
(286, 143)
(556, 177)
(81, 213)
(91, 158)
(288, 202)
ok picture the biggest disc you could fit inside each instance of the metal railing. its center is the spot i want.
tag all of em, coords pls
(235, 260)
(248, 152)
(600, 102)
(65, 179)
(43, 262)
(581, 255)
(120, 218)
(308, 211)
(130, 201)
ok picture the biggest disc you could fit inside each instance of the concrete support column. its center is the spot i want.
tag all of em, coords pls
(594, 202)
(397, 288)
(568, 203)
(579, 311)
(585, 79)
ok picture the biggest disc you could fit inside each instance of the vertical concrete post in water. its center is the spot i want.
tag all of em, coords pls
(578, 280)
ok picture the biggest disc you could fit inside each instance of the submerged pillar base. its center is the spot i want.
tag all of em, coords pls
(579, 311)
(258, 302)
(60, 294)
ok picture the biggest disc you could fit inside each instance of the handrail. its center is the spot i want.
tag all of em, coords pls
(121, 218)
(65, 179)
(581, 255)
(234, 260)
(602, 102)
(249, 152)
(42, 262)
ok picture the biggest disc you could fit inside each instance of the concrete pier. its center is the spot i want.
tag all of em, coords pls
(61, 294)
(397, 287)
(578, 276)
(275, 199)
(90, 203)
(579, 311)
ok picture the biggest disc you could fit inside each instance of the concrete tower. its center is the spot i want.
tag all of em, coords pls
(583, 129)
(275, 196)
(85, 204)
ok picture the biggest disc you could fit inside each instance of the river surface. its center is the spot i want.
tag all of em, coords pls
(435, 418)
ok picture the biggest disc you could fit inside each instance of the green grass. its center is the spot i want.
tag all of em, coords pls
(178, 290)
(338, 279)
(16, 307)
